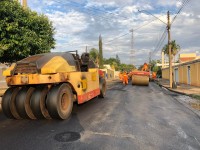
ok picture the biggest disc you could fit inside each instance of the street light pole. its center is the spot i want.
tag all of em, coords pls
(169, 48)
(132, 51)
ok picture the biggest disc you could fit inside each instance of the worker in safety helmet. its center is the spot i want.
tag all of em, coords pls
(125, 78)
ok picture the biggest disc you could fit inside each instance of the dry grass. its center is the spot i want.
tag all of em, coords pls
(195, 96)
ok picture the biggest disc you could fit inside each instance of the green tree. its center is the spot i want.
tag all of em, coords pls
(151, 64)
(23, 32)
(126, 67)
(156, 68)
(100, 53)
(112, 62)
(94, 55)
(175, 48)
(118, 60)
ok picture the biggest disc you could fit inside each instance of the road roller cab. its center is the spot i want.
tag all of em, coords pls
(46, 85)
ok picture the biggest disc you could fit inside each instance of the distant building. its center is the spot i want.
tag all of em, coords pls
(187, 57)
(107, 66)
(109, 72)
(187, 72)
(182, 59)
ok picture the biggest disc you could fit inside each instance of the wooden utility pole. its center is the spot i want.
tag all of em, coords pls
(169, 48)
(100, 53)
(24, 3)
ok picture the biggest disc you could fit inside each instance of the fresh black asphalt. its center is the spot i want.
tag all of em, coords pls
(130, 118)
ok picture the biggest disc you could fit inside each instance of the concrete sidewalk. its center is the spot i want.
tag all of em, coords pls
(181, 88)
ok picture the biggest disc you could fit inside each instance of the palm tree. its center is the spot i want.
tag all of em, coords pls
(175, 48)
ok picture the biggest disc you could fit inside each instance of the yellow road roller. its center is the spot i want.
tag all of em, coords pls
(140, 77)
(46, 85)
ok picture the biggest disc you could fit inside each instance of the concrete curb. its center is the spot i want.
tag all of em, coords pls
(181, 102)
(0, 103)
(173, 90)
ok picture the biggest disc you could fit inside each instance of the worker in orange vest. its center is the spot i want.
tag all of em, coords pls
(120, 76)
(154, 75)
(125, 78)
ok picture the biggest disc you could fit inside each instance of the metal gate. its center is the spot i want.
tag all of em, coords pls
(176, 78)
(188, 75)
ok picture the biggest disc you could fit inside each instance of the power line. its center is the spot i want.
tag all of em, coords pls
(158, 45)
(160, 42)
(97, 9)
(120, 36)
(90, 10)
(151, 15)
(109, 20)
(144, 25)
(85, 10)
(184, 3)
(117, 37)
(129, 32)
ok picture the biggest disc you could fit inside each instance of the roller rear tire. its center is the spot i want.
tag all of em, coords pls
(6, 102)
(13, 108)
(38, 103)
(60, 101)
(23, 103)
(102, 85)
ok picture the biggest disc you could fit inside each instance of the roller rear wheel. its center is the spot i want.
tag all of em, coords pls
(8, 103)
(13, 103)
(102, 85)
(140, 80)
(23, 103)
(60, 101)
(132, 80)
(38, 103)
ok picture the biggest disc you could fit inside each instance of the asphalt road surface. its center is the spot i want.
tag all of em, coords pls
(130, 117)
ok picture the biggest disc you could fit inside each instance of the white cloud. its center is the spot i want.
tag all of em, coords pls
(129, 9)
(178, 4)
(167, 2)
(79, 26)
(101, 4)
(71, 22)
(49, 3)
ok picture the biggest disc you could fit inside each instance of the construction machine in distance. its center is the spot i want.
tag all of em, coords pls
(46, 85)
(140, 77)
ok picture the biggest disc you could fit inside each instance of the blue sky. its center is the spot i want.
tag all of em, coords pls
(78, 23)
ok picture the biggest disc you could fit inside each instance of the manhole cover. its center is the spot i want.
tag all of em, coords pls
(67, 136)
